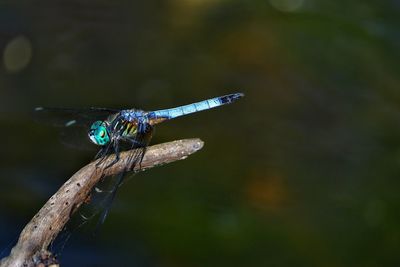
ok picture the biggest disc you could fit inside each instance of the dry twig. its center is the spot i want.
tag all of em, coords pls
(52, 217)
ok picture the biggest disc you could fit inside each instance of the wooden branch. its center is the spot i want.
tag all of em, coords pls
(52, 217)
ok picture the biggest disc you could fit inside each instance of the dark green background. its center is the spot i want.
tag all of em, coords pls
(304, 171)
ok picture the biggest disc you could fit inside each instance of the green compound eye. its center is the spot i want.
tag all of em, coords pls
(98, 133)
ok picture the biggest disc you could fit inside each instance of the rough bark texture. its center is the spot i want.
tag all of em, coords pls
(52, 217)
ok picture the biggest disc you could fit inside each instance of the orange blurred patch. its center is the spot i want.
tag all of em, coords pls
(185, 13)
(251, 45)
(267, 193)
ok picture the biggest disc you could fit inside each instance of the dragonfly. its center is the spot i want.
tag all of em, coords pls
(114, 130)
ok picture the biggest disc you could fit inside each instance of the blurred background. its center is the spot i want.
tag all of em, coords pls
(303, 171)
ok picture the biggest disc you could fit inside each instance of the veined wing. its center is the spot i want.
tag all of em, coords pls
(74, 123)
(140, 142)
(67, 117)
(102, 195)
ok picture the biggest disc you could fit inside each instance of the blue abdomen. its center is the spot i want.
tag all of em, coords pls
(195, 107)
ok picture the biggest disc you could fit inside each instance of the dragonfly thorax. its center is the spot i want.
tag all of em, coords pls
(98, 133)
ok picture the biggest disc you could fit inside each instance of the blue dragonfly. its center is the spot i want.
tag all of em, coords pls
(115, 130)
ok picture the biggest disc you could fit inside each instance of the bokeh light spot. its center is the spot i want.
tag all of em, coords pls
(287, 5)
(17, 54)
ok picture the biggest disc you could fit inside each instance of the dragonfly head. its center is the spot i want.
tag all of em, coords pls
(98, 133)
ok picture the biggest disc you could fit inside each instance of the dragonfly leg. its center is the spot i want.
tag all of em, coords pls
(102, 154)
(141, 158)
(140, 141)
(137, 156)
(116, 150)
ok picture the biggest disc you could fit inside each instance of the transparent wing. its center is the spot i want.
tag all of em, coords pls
(103, 194)
(100, 199)
(140, 142)
(73, 124)
(67, 117)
